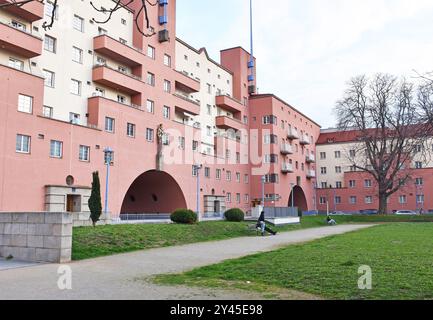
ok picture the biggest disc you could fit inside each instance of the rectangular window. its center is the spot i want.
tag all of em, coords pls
(167, 86)
(16, 64)
(49, 6)
(195, 146)
(418, 165)
(109, 124)
(324, 185)
(419, 181)
(166, 112)
(337, 169)
(151, 79)
(353, 200)
(323, 170)
(207, 172)
(352, 184)
(56, 149)
(49, 78)
(270, 120)
(322, 200)
(74, 118)
(420, 199)
(77, 55)
(149, 135)
(238, 198)
(229, 197)
(121, 99)
(47, 112)
(369, 200)
(50, 44)
(247, 198)
(209, 88)
(337, 154)
(271, 178)
(150, 106)
(182, 143)
(22, 144)
(167, 60)
(218, 174)
(151, 52)
(84, 154)
(337, 200)
(402, 199)
(76, 87)
(246, 179)
(368, 183)
(229, 176)
(130, 130)
(339, 185)
(25, 103)
(238, 177)
(78, 23)
(322, 155)
(352, 153)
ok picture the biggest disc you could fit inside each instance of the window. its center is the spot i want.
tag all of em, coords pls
(368, 184)
(337, 169)
(75, 87)
(50, 44)
(352, 153)
(47, 112)
(218, 174)
(271, 178)
(151, 79)
(238, 198)
(209, 131)
(337, 200)
(49, 6)
(165, 139)
(182, 143)
(123, 21)
(339, 185)
(150, 106)
(369, 200)
(109, 124)
(25, 103)
(195, 146)
(323, 170)
(77, 55)
(270, 120)
(207, 172)
(78, 23)
(322, 155)
(22, 144)
(74, 118)
(270, 139)
(229, 176)
(149, 135)
(167, 60)
(352, 184)
(84, 154)
(49, 78)
(271, 158)
(324, 185)
(402, 199)
(420, 199)
(18, 25)
(209, 109)
(121, 99)
(247, 198)
(16, 64)
(238, 177)
(353, 200)
(166, 112)
(246, 179)
(151, 52)
(418, 165)
(130, 130)
(419, 181)
(167, 86)
(337, 154)
(209, 88)
(322, 200)
(229, 197)
(101, 31)
(56, 149)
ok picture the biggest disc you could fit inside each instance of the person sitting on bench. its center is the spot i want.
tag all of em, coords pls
(261, 224)
(331, 221)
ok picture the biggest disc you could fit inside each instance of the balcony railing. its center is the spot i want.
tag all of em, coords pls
(292, 134)
(128, 74)
(287, 168)
(311, 174)
(286, 149)
(305, 140)
(19, 41)
(30, 11)
(310, 158)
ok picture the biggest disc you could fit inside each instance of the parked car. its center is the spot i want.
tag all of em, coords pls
(406, 213)
(339, 213)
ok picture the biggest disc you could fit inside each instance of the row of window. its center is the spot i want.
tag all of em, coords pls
(367, 184)
(420, 199)
(218, 174)
(238, 198)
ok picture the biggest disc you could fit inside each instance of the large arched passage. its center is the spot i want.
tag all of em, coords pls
(154, 192)
(299, 199)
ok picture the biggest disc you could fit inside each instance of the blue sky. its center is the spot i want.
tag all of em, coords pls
(308, 49)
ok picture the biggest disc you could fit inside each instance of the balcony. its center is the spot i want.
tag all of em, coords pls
(311, 174)
(118, 51)
(117, 80)
(19, 42)
(310, 158)
(229, 104)
(224, 122)
(292, 134)
(286, 149)
(305, 140)
(287, 168)
(185, 104)
(186, 84)
(31, 11)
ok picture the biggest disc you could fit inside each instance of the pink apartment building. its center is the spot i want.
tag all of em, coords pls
(81, 93)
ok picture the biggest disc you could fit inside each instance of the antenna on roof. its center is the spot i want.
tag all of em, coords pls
(251, 62)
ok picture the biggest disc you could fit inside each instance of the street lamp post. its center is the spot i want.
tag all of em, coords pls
(108, 158)
(197, 168)
(263, 191)
(292, 185)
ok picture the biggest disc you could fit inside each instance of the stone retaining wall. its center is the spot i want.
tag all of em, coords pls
(36, 237)
(82, 219)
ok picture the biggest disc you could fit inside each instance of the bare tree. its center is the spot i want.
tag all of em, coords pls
(425, 100)
(383, 111)
(118, 4)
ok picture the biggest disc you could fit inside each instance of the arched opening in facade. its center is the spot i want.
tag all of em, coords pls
(153, 192)
(299, 199)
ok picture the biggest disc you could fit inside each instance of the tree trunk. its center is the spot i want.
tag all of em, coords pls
(383, 203)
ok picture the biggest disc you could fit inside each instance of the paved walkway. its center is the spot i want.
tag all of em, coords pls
(12, 264)
(120, 276)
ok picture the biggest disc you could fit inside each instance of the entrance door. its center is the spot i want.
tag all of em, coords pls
(217, 206)
(70, 203)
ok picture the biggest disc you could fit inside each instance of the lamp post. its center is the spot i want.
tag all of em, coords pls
(108, 158)
(263, 191)
(292, 185)
(197, 168)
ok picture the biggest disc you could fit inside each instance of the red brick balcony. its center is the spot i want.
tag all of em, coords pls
(229, 104)
(186, 84)
(187, 105)
(20, 42)
(31, 11)
(118, 51)
(118, 80)
(224, 122)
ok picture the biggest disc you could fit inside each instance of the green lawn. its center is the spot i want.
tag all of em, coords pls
(400, 255)
(89, 242)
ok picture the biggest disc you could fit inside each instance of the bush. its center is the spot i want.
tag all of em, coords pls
(184, 216)
(234, 215)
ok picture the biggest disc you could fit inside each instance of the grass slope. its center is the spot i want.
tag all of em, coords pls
(400, 255)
